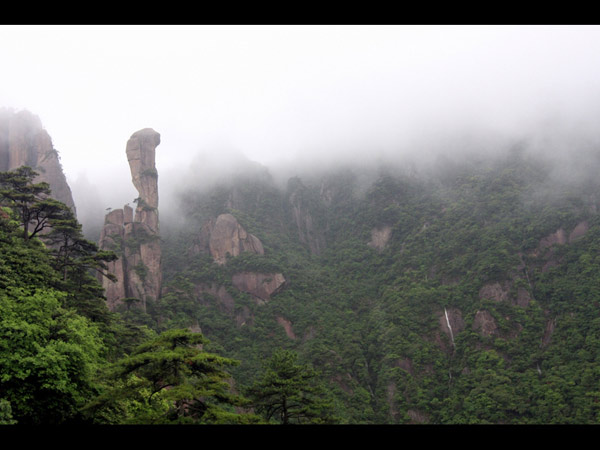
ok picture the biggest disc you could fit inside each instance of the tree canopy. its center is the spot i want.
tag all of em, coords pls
(289, 392)
(54, 335)
(170, 379)
(30, 201)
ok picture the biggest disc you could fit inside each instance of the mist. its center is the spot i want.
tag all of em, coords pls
(299, 100)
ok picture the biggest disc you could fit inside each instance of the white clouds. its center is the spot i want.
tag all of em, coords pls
(274, 91)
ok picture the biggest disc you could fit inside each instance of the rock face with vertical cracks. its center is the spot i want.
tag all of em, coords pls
(136, 239)
(224, 237)
(24, 142)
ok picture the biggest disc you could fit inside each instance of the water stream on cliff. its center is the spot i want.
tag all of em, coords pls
(450, 328)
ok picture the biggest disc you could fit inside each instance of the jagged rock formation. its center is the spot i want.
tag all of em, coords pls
(224, 236)
(24, 142)
(136, 239)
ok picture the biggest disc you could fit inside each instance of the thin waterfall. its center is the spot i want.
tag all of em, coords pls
(450, 328)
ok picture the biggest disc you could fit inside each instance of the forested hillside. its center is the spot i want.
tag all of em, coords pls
(467, 293)
(464, 293)
(332, 227)
(64, 357)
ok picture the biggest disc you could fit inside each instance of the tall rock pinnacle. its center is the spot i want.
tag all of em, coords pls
(141, 151)
(136, 239)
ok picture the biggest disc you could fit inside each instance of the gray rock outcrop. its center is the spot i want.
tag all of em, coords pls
(224, 237)
(136, 239)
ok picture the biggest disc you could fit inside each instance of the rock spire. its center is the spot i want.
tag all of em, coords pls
(136, 239)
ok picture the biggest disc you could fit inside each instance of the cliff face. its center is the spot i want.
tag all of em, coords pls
(24, 142)
(488, 271)
(224, 236)
(112, 238)
(136, 239)
(310, 232)
(260, 285)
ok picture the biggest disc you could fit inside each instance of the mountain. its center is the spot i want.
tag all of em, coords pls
(24, 142)
(463, 290)
(463, 294)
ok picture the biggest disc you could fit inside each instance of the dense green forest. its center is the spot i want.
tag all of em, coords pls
(467, 293)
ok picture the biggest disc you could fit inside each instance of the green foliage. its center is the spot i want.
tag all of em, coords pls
(368, 323)
(288, 392)
(169, 379)
(141, 270)
(48, 356)
(73, 254)
(251, 262)
(6, 417)
(139, 237)
(55, 329)
(371, 320)
(29, 201)
(151, 172)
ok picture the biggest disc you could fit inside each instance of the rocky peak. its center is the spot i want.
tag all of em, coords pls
(136, 239)
(141, 152)
(24, 142)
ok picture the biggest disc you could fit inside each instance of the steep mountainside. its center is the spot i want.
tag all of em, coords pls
(463, 292)
(23, 142)
(465, 296)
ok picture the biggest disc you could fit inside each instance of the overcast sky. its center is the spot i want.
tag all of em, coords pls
(276, 92)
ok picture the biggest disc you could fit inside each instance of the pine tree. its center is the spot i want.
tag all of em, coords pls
(30, 201)
(170, 379)
(289, 392)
